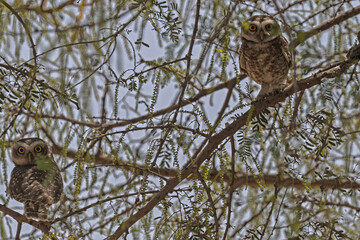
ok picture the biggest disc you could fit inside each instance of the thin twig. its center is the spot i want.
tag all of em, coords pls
(231, 190)
(296, 110)
(277, 215)
(270, 213)
(211, 201)
(18, 231)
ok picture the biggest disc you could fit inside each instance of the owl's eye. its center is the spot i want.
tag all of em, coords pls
(268, 27)
(252, 28)
(21, 150)
(38, 149)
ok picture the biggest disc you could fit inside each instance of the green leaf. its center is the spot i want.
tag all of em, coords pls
(44, 163)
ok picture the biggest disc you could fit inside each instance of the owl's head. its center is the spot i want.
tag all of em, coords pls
(27, 150)
(260, 28)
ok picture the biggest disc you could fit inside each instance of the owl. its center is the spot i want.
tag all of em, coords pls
(36, 180)
(263, 55)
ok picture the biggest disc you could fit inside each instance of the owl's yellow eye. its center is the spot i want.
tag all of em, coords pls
(21, 150)
(268, 27)
(252, 28)
(38, 149)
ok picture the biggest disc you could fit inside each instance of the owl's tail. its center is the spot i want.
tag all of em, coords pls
(36, 210)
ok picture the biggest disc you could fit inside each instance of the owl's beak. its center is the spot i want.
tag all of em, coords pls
(30, 157)
(262, 35)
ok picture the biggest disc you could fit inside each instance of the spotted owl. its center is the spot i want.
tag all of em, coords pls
(36, 180)
(263, 55)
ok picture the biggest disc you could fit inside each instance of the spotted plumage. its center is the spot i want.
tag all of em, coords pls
(36, 180)
(263, 55)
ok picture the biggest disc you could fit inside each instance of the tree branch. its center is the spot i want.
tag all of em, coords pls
(256, 108)
(202, 93)
(324, 26)
(21, 218)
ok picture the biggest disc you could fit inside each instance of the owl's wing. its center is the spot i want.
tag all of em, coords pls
(25, 183)
(242, 61)
(32, 183)
(57, 185)
(284, 45)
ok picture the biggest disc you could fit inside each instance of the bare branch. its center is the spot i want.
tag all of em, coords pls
(324, 26)
(21, 218)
